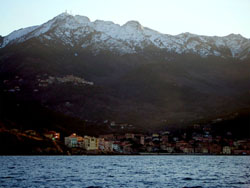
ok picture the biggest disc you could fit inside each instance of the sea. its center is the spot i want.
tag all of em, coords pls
(125, 171)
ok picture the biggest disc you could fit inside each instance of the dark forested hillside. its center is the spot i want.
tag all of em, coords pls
(150, 89)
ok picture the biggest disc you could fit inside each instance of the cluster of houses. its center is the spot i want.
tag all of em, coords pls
(13, 86)
(131, 143)
(105, 143)
(66, 79)
(164, 142)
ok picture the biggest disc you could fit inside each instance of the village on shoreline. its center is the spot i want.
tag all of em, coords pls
(198, 141)
(163, 143)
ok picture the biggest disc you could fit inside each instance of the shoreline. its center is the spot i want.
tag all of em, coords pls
(138, 154)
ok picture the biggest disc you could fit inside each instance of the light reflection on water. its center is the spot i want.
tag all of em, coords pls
(125, 171)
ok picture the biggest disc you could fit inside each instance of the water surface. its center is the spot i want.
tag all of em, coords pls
(125, 171)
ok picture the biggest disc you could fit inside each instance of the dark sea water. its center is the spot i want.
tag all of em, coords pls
(125, 171)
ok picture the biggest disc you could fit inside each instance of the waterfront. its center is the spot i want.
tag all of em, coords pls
(125, 171)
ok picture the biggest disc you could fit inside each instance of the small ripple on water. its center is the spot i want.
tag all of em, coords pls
(20, 179)
(7, 177)
(188, 179)
(236, 183)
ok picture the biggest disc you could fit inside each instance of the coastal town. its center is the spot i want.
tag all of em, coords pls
(158, 143)
(198, 140)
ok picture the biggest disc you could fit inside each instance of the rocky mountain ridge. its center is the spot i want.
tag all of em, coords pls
(129, 38)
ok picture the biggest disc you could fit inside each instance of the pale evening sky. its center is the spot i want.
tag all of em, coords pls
(203, 17)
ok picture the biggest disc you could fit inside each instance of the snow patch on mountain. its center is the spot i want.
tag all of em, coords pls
(126, 39)
(17, 35)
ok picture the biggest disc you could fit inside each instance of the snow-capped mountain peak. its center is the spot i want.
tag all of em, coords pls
(17, 35)
(82, 19)
(128, 38)
(62, 15)
(133, 24)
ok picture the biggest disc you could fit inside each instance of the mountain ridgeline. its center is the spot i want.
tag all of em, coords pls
(98, 71)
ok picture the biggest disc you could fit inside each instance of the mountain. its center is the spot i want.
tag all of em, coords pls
(130, 38)
(130, 74)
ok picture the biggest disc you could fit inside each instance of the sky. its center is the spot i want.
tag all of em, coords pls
(203, 17)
